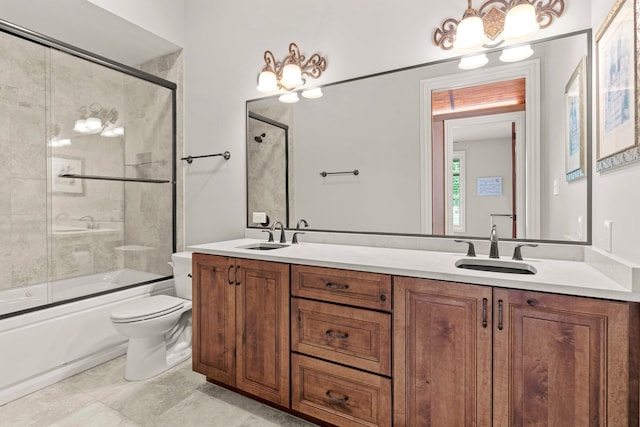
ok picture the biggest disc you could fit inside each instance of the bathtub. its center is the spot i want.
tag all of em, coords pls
(44, 346)
(23, 298)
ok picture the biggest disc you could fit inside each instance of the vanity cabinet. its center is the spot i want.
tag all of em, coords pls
(241, 324)
(341, 346)
(547, 359)
(442, 353)
(561, 360)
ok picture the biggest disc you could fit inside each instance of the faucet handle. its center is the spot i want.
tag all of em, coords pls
(517, 252)
(270, 234)
(294, 240)
(471, 251)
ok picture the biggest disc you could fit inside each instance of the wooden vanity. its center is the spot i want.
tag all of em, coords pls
(354, 348)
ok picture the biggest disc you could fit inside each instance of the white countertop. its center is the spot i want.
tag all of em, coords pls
(564, 277)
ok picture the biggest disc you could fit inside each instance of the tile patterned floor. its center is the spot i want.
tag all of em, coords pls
(102, 397)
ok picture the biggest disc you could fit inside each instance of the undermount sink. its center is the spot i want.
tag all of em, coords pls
(265, 246)
(496, 266)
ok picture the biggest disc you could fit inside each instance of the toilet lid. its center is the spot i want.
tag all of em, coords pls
(145, 308)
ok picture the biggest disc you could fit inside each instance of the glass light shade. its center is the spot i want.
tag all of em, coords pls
(113, 132)
(289, 98)
(470, 34)
(515, 54)
(267, 82)
(93, 123)
(312, 93)
(59, 142)
(80, 126)
(471, 62)
(520, 22)
(291, 76)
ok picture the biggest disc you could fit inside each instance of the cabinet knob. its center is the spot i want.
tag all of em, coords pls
(383, 297)
(532, 302)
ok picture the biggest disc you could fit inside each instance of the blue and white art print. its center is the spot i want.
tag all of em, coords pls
(616, 81)
(575, 124)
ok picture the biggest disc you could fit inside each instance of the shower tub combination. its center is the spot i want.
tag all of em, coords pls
(90, 219)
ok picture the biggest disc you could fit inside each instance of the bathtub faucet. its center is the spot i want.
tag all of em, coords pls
(91, 223)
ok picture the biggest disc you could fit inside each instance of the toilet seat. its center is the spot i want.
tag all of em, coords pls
(146, 308)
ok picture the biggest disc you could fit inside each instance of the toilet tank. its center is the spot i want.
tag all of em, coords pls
(181, 264)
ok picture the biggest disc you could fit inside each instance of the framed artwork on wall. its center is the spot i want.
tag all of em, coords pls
(576, 123)
(67, 186)
(616, 87)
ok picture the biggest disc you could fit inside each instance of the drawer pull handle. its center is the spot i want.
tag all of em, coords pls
(500, 315)
(339, 335)
(336, 399)
(337, 286)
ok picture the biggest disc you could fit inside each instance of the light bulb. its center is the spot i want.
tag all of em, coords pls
(289, 98)
(93, 123)
(470, 32)
(312, 93)
(515, 54)
(521, 21)
(267, 82)
(80, 126)
(471, 62)
(291, 76)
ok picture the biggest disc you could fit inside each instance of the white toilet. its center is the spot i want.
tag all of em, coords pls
(158, 327)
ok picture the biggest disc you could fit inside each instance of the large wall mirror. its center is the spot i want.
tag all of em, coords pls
(434, 150)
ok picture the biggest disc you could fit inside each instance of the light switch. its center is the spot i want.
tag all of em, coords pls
(556, 187)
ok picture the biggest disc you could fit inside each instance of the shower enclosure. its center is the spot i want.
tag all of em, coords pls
(88, 187)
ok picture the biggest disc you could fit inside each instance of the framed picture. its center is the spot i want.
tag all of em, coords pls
(67, 186)
(576, 123)
(616, 87)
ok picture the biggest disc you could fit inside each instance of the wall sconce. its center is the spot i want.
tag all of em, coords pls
(289, 74)
(95, 118)
(501, 20)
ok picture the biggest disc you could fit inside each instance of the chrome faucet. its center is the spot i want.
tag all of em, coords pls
(283, 237)
(493, 238)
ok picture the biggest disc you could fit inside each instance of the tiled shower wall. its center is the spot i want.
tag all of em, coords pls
(41, 91)
(23, 175)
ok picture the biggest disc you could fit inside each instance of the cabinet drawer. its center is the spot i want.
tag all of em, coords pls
(369, 290)
(339, 395)
(350, 336)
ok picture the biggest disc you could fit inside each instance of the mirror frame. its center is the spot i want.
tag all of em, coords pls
(589, 145)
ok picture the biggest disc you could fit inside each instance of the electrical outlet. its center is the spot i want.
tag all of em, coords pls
(608, 229)
(259, 217)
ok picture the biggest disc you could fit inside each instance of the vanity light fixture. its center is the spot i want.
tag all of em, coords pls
(95, 118)
(501, 20)
(290, 73)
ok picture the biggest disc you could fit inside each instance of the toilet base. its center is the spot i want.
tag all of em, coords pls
(148, 357)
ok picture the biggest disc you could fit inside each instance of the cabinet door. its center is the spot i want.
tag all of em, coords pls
(262, 307)
(442, 353)
(564, 361)
(214, 325)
